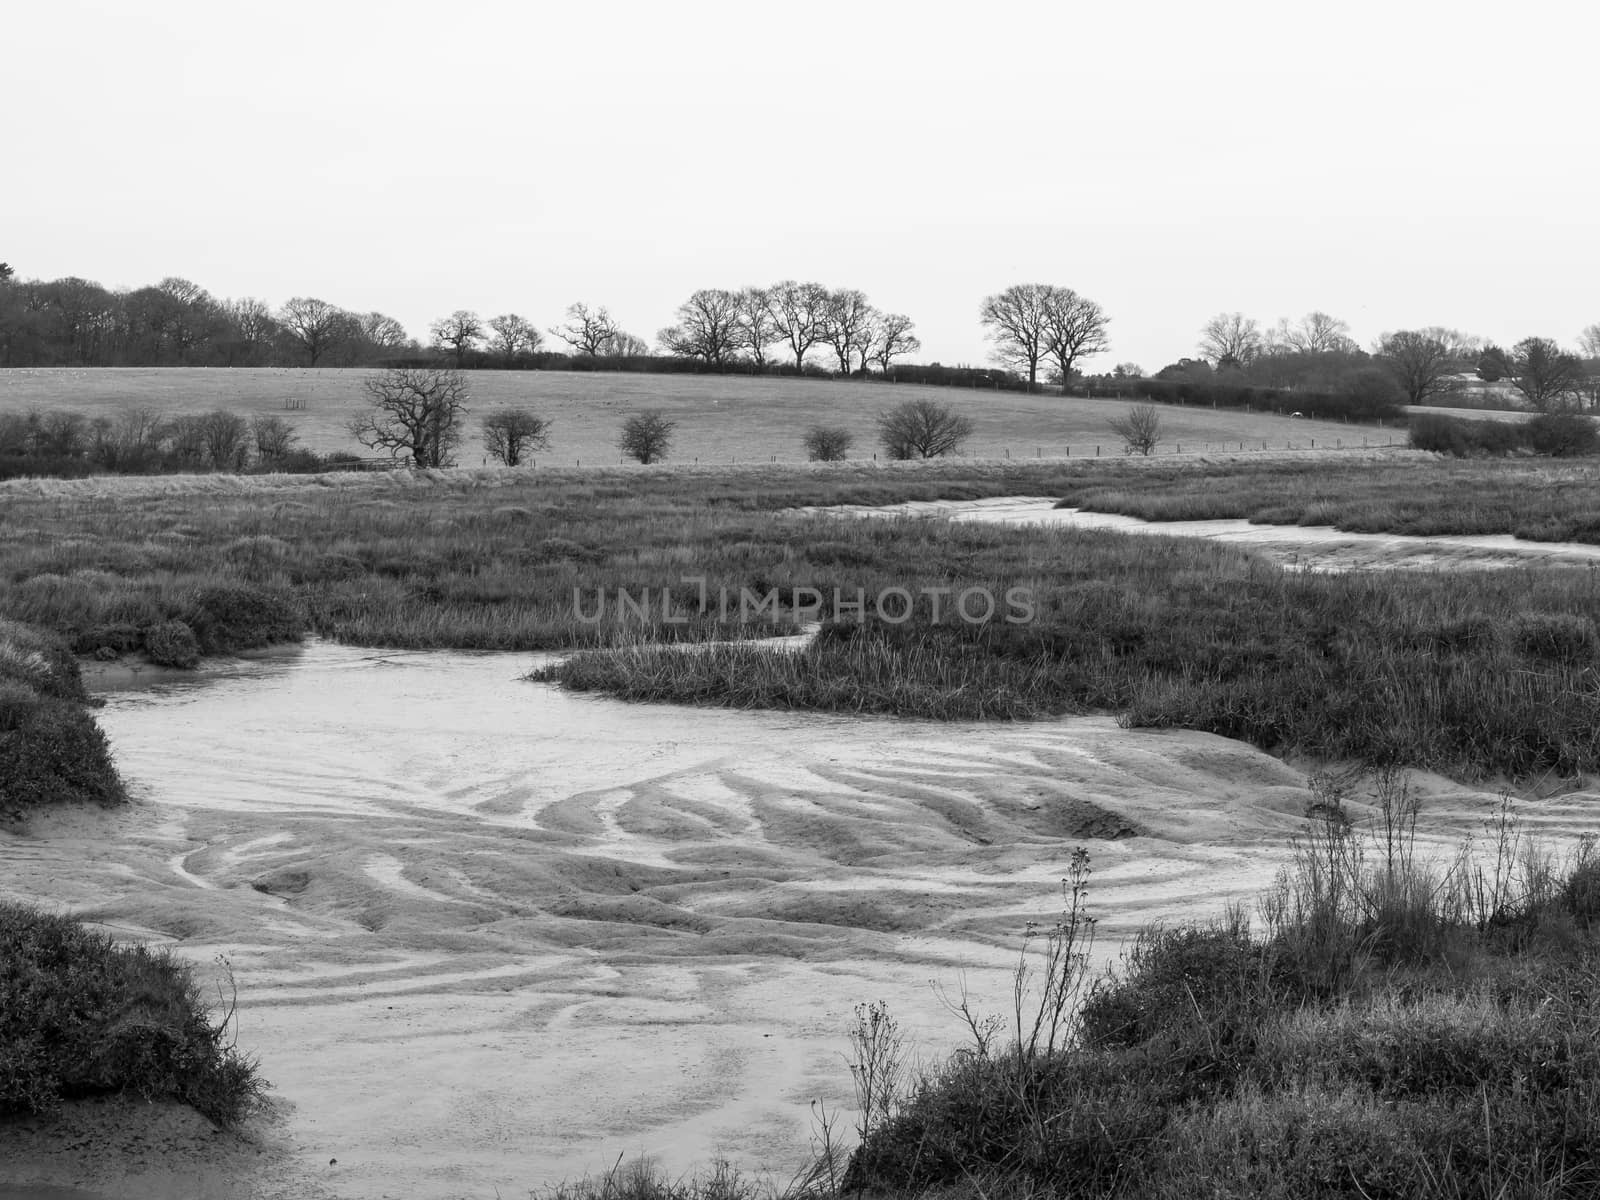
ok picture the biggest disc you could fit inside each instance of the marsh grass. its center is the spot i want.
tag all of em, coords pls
(1474, 673)
(1392, 1026)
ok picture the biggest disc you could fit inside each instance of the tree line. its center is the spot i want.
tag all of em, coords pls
(1035, 329)
(1429, 365)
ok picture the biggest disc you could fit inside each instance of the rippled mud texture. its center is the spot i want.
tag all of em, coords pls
(488, 935)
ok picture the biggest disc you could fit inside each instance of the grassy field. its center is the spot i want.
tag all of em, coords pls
(721, 419)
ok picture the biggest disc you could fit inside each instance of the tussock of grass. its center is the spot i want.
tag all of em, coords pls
(81, 1016)
(1394, 1029)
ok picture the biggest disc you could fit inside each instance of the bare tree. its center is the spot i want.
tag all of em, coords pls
(315, 324)
(414, 410)
(622, 344)
(1075, 328)
(513, 335)
(798, 311)
(1316, 333)
(894, 338)
(1230, 340)
(755, 326)
(381, 332)
(458, 333)
(1139, 430)
(922, 429)
(587, 330)
(1589, 339)
(1018, 323)
(225, 437)
(186, 440)
(135, 438)
(1423, 361)
(274, 438)
(253, 326)
(511, 434)
(1550, 378)
(707, 328)
(849, 325)
(828, 443)
(646, 436)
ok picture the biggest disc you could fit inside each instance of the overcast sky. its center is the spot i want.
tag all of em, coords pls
(1393, 162)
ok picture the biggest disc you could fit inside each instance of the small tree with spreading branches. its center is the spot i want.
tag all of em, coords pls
(415, 411)
(511, 434)
(1140, 430)
(828, 443)
(646, 436)
(922, 429)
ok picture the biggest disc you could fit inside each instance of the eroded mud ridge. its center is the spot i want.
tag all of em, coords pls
(487, 934)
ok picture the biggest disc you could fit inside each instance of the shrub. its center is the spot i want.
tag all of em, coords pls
(922, 429)
(511, 434)
(54, 753)
(828, 443)
(81, 1016)
(39, 659)
(231, 617)
(172, 644)
(646, 436)
(1563, 435)
(1463, 438)
(1139, 429)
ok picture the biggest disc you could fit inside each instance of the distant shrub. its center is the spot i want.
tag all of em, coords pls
(922, 429)
(172, 644)
(1463, 438)
(1559, 435)
(828, 443)
(1563, 435)
(646, 436)
(82, 1016)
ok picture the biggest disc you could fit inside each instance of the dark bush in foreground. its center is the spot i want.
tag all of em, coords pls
(51, 749)
(81, 1016)
(52, 752)
(1397, 1028)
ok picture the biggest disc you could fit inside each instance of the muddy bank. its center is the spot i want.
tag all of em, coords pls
(487, 935)
(1305, 547)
